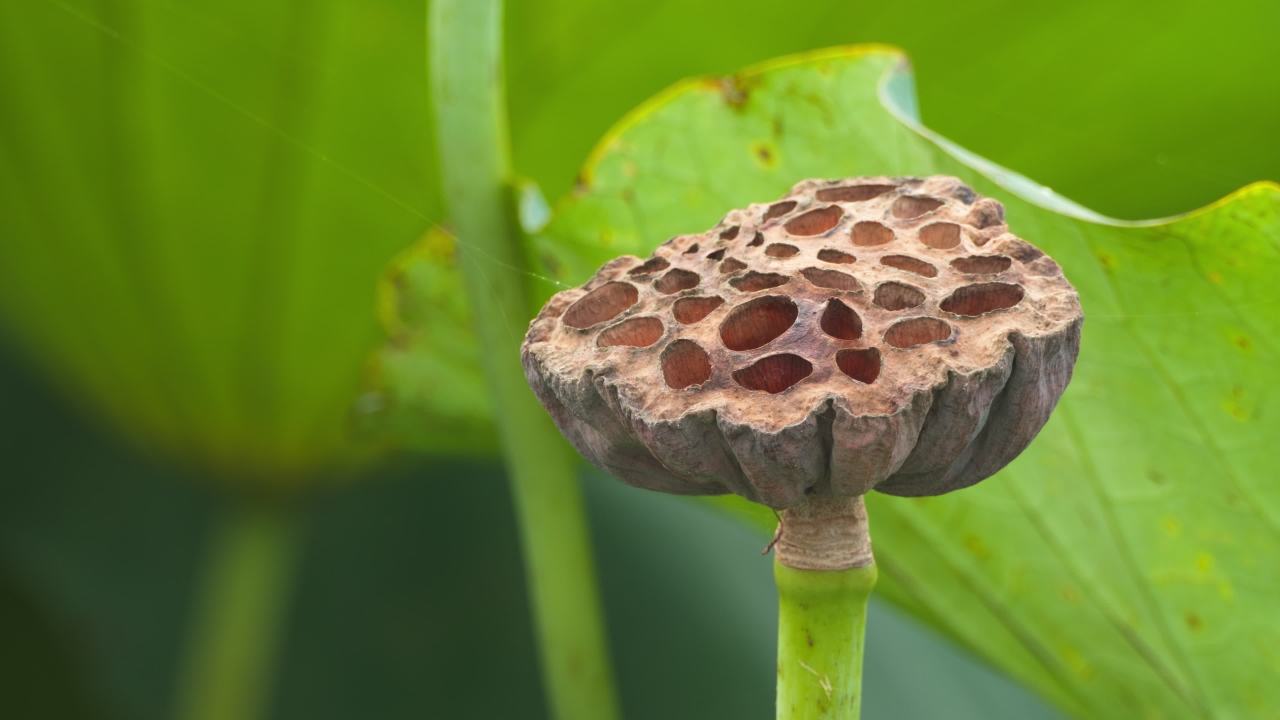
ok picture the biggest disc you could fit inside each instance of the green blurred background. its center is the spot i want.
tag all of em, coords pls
(196, 199)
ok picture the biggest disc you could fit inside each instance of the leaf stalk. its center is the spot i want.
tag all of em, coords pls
(467, 80)
(235, 631)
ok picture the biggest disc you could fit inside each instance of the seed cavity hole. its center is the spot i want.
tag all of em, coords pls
(675, 281)
(840, 321)
(716, 254)
(685, 364)
(913, 206)
(940, 236)
(853, 193)
(906, 263)
(814, 222)
(690, 310)
(862, 364)
(870, 232)
(692, 249)
(779, 209)
(756, 281)
(758, 322)
(897, 296)
(729, 233)
(635, 332)
(757, 240)
(731, 265)
(781, 250)
(831, 279)
(774, 374)
(982, 264)
(652, 265)
(835, 256)
(974, 300)
(917, 331)
(601, 304)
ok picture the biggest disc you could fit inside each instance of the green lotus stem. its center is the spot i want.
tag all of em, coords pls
(824, 572)
(822, 622)
(465, 41)
(235, 629)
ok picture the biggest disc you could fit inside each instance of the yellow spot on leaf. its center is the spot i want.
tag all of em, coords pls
(1077, 662)
(1172, 527)
(765, 154)
(438, 244)
(1226, 590)
(1234, 404)
(1204, 563)
(1214, 277)
(976, 547)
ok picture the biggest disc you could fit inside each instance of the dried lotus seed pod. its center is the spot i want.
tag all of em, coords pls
(869, 333)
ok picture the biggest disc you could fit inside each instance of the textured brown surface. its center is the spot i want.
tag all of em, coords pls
(885, 333)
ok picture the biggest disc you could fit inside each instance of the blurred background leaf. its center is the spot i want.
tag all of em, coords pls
(1115, 562)
(196, 199)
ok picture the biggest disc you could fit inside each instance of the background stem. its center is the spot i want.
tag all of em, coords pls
(469, 98)
(235, 630)
(822, 620)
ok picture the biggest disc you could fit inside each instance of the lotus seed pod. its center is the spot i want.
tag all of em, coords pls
(870, 333)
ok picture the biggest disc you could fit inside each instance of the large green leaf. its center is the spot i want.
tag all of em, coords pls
(195, 199)
(1164, 107)
(1124, 565)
